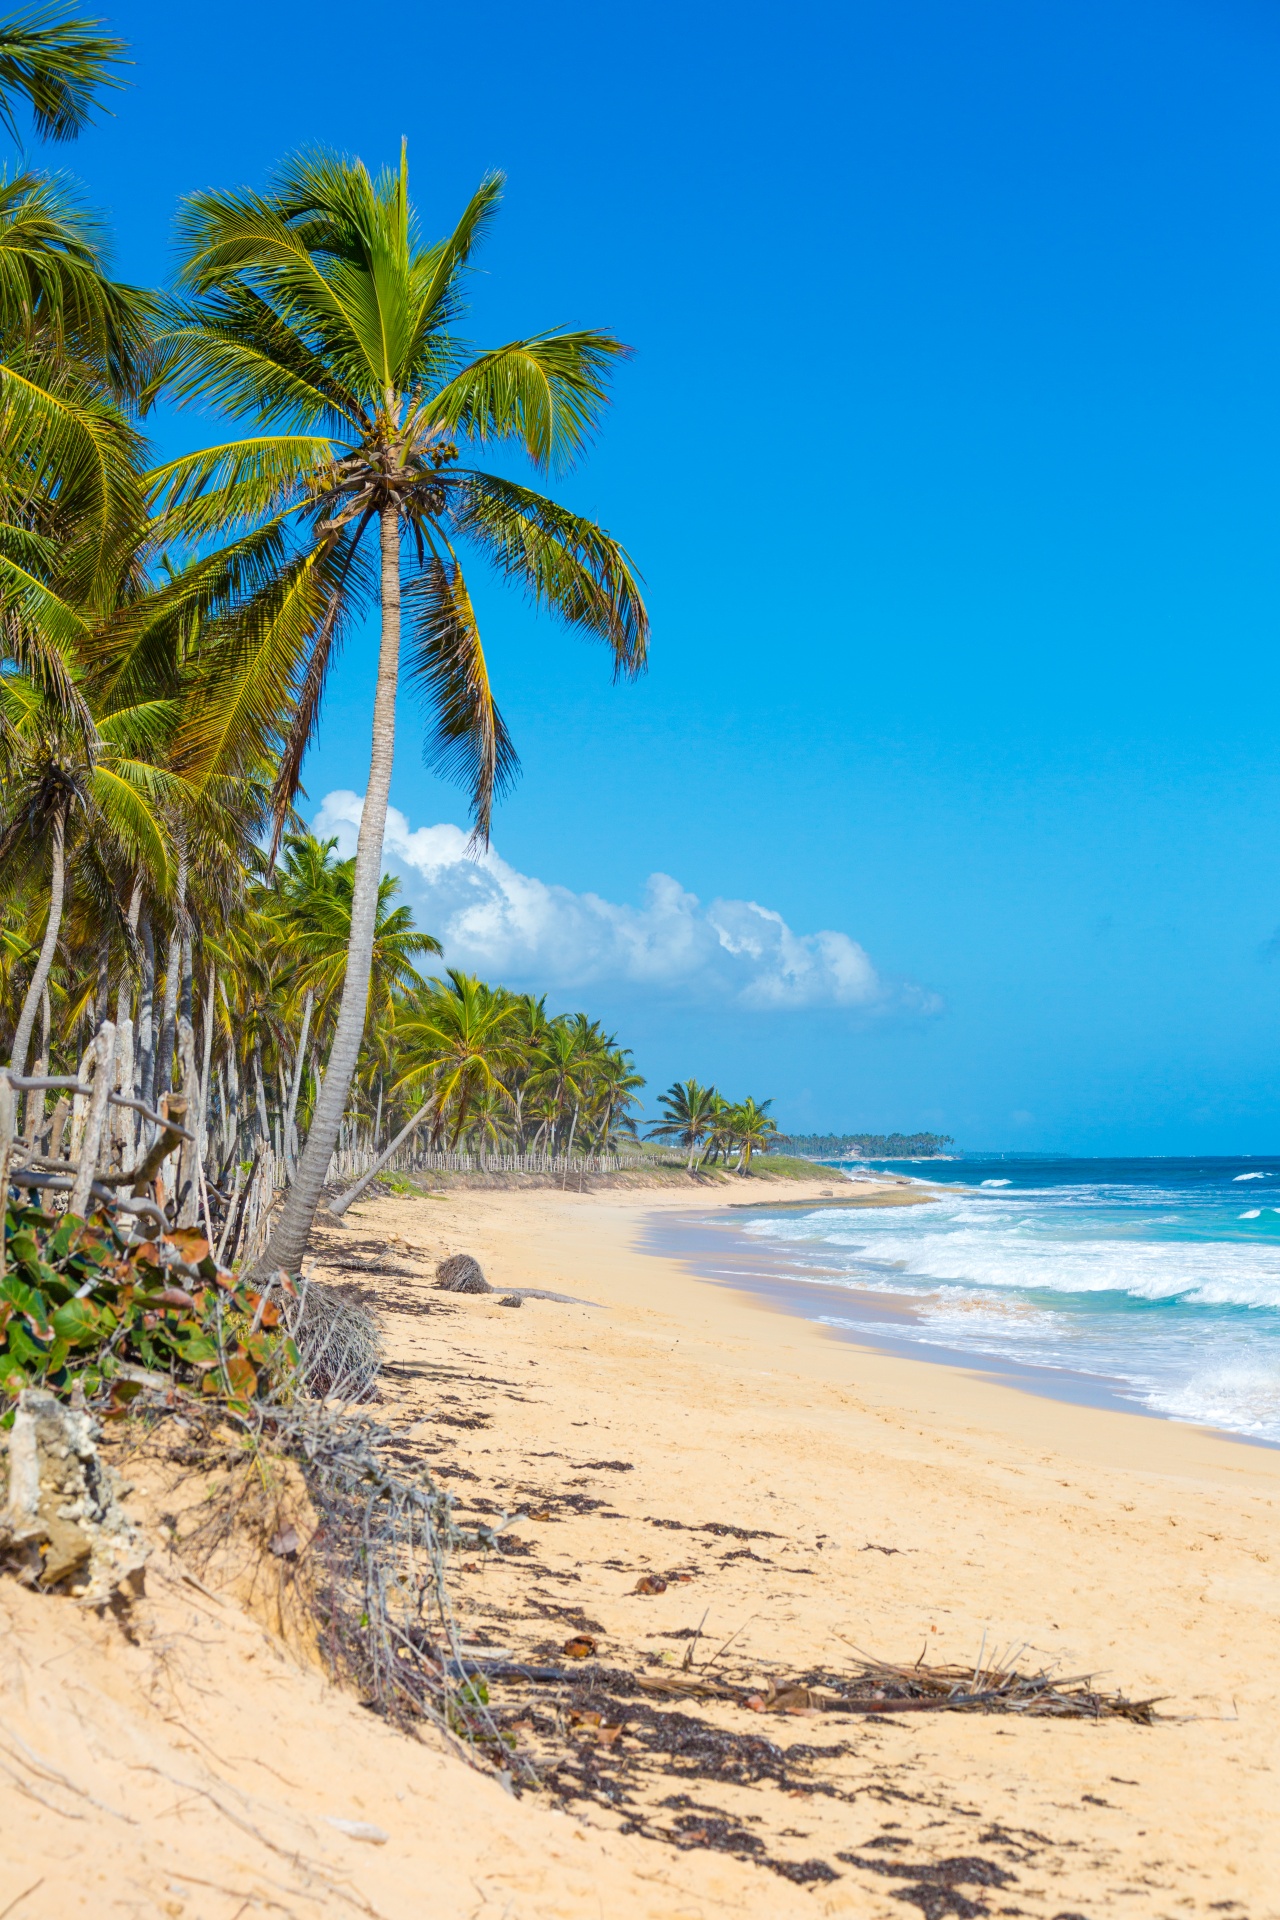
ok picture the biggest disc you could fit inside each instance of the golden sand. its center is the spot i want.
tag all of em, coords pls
(887, 1504)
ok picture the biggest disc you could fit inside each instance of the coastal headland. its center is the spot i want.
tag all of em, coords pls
(794, 1502)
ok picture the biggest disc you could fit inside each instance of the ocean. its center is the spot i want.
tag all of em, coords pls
(1149, 1284)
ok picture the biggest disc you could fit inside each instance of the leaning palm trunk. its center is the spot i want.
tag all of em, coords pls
(339, 1206)
(57, 884)
(289, 1237)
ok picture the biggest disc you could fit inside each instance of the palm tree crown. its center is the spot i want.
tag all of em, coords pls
(316, 309)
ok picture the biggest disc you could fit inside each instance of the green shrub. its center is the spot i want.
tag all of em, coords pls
(80, 1303)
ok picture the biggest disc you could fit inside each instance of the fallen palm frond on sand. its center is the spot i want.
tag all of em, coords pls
(876, 1688)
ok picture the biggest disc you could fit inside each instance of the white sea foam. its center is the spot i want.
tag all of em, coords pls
(997, 1183)
(1153, 1288)
(1250, 1176)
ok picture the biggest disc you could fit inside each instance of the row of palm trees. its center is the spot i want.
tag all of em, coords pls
(167, 632)
(710, 1128)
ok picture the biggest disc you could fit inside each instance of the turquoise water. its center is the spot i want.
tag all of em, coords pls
(1152, 1282)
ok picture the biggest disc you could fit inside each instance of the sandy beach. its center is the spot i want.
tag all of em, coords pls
(798, 1493)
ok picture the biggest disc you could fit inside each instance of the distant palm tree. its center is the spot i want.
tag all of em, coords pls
(316, 309)
(314, 901)
(689, 1111)
(752, 1130)
(614, 1089)
(719, 1139)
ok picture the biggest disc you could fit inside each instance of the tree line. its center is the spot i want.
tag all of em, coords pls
(865, 1146)
(168, 631)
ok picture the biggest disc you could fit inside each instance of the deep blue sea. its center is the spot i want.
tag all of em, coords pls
(1151, 1283)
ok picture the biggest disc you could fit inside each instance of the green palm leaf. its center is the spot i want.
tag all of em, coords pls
(58, 66)
(468, 741)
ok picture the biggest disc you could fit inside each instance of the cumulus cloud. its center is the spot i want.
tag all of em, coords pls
(493, 920)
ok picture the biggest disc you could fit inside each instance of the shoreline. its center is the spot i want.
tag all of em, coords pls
(791, 1292)
(700, 1482)
(887, 1502)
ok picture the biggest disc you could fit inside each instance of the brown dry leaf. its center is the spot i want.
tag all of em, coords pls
(608, 1736)
(651, 1583)
(543, 1513)
(577, 1719)
(191, 1245)
(581, 1647)
(521, 1726)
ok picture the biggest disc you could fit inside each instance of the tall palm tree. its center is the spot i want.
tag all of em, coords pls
(316, 309)
(688, 1114)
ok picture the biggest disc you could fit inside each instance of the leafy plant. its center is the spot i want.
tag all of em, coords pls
(80, 1304)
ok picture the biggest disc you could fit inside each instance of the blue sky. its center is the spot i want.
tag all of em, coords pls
(951, 455)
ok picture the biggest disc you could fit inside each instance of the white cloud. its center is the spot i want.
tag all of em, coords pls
(496, 921)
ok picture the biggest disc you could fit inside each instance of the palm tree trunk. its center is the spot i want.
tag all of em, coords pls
(289, 1237)
(569, 1148)
(188, 1162)
(339, 1206)
(57, 886)
(169, 1016)
(146, 1019)
(34, 1120)
(124, 1126)
(296, 1088)
(204, 1131)
(168, 1025)
(264, 1125)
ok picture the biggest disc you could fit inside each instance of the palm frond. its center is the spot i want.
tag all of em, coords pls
(58, 66)
(547, 393)
(468, 741)
(226, 488)
(565, 562)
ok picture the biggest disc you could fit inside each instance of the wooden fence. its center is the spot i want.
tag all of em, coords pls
(349, 1163)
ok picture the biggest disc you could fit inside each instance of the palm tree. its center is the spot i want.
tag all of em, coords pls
(314, 905)
(752, 1129)
(457, 1044)
(56, 785)
(561, 1070)
(688, 1111)
(615, 1088)
(316, 310)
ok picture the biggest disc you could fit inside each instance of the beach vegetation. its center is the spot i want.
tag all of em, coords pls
(167, 636)
(710, 1128)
